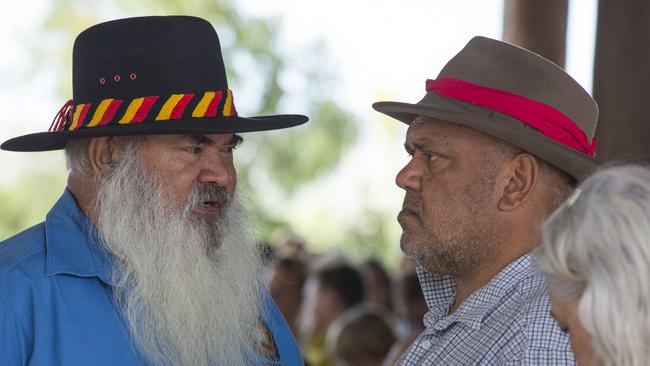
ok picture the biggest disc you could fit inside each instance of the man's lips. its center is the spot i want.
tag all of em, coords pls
(209, 207)
(406, 214)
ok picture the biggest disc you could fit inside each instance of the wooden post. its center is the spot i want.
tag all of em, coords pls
(622, 79)
(537, 25)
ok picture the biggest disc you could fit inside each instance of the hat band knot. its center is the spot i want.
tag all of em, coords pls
(546, 119)
(154, 108)
(62, 117)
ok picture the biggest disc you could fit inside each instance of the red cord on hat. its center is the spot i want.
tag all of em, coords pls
(60, 119)
(548, 120)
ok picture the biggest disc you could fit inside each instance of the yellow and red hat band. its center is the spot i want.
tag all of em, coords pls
(154, 108)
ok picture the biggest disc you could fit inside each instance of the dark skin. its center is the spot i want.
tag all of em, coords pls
(465, 197)
(180, 161)
(567, 316)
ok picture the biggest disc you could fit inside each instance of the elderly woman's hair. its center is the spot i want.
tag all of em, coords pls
(596, 248)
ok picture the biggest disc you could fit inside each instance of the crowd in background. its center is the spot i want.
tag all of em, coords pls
(345, 312)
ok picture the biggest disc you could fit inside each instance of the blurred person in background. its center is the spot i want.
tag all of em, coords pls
(147, 257)
(361, 336)
(293, 246)
(411, 308)
(286, 287)
(595, 255)
(496, 145)
(407, 265)
(332, 287)
(377, 283)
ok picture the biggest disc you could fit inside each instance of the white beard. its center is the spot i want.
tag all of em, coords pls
(187, 288)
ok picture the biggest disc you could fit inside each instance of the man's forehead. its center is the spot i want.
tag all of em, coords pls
(436, 129)
(204, 139)
(420, 121)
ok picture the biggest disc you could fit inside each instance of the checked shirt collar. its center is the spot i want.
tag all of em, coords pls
(439, 292)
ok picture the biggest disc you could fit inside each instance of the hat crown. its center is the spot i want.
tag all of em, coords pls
(499, 65)
(143, 56)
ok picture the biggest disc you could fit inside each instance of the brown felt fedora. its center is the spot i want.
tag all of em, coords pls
(516, 95)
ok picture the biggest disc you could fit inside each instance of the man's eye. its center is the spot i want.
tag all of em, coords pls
(432, 156)
(195, 150)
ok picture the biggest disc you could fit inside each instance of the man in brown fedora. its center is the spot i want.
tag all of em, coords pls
(497, 143)
(147, 257)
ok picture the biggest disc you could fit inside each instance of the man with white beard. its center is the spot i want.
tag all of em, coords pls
(147, 257)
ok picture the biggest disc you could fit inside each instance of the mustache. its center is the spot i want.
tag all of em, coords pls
(208, 193)
(412, 203)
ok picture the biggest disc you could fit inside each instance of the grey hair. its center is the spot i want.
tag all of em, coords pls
(596, 247)
(77, 158)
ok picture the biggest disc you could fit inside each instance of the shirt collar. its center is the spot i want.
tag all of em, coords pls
(73, 245)
(440, 290)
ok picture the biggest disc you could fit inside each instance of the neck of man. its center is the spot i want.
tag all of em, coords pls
(518, 243)
(84, 193)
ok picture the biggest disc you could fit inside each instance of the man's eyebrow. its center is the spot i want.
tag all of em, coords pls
(236, 140)
(419, 145)
(200, 140)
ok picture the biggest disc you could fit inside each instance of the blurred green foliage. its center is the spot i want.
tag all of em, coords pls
(281, 161)
(26, 201)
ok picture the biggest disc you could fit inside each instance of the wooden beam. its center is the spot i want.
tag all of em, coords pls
(537, 25)
(622, 79)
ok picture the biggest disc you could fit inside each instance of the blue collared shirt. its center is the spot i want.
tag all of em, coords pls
(56, 305)
(506, 322)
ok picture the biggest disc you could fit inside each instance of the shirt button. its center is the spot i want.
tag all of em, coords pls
(425, 343)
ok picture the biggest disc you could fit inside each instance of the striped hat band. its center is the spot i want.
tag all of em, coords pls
(217, 103)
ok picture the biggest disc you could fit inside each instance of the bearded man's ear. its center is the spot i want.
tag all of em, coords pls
(519, 177)
(102, 153)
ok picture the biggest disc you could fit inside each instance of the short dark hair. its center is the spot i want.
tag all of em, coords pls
(375, 265)
(409, 288)
(343, 279)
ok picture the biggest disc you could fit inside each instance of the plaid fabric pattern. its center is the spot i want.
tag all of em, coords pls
(506, 322)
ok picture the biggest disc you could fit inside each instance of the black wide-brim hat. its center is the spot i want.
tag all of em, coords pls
(515, 95)
(148, 76)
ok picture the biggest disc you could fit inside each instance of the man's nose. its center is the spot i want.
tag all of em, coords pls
(217, 168)
(410, 177)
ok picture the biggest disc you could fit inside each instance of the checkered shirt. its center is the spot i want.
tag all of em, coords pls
(506, 322)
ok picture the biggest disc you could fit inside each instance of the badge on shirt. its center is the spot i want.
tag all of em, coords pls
(266, 342)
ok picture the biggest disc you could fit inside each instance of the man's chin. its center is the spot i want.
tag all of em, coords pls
(409, 245)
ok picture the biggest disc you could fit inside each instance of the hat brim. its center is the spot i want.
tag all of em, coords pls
(496, 124)
(45, 141)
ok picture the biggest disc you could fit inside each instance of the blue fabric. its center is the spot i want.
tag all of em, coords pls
(55, 299)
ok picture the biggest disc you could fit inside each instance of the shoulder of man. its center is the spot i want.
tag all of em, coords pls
(543, 340)
(22, 269)
(24, 254)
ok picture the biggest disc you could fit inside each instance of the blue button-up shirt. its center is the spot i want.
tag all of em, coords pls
(56, 305)
(506, 322)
